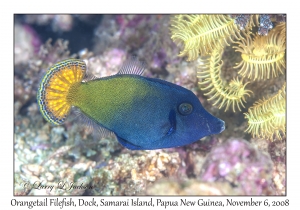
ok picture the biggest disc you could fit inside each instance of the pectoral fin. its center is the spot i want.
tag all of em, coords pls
(172, 120)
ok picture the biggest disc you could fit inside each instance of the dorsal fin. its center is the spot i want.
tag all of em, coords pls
(132, 66)
(89, 75)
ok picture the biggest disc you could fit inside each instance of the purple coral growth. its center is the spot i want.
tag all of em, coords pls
(239, 163)
(265, 24)
(241, 20)
(35, 39)
(280, 18)
(159, 59)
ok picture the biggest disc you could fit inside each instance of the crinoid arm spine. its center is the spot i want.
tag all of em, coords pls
(232, 95)
(201, 34)
(266, 118)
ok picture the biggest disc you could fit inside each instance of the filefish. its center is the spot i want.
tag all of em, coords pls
(144, 113)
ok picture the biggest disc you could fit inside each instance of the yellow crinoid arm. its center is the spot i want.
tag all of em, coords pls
(52, 96)
(211, 83)
(266, 119)
(200, 34)
(263, 57)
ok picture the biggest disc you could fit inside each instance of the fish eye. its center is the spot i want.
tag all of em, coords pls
(185, 108)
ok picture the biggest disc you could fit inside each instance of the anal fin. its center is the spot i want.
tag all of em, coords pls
(128, 145)
(98, 130)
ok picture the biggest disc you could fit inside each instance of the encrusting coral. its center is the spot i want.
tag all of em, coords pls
(239, 163)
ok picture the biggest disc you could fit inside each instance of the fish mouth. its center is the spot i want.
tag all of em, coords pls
(216, 127)
(222, 127)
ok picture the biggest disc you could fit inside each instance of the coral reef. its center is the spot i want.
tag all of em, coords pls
(46, 155)
(27, 43)
(59, 23)
(191, 187)
(150, 40)
(241, 165)
(130, 174)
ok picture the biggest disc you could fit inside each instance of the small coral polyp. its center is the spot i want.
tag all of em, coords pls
(262, 58)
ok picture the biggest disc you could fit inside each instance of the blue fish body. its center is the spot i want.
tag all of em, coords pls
(155, 121)
(144, 113)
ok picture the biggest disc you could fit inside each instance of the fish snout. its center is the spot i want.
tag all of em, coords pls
(217, 126)
(221, 124)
